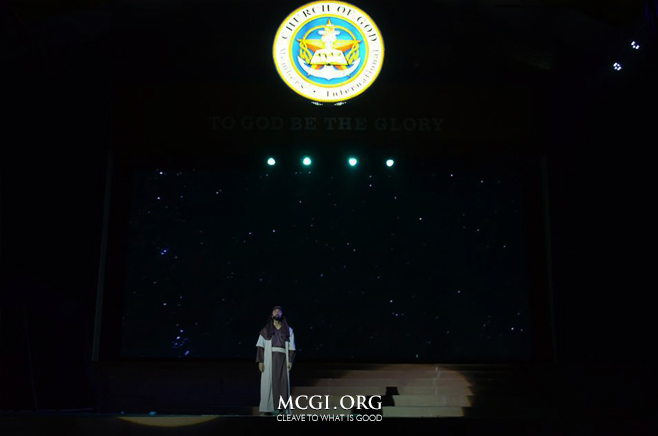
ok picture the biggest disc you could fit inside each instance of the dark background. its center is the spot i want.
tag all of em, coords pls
(68, 61)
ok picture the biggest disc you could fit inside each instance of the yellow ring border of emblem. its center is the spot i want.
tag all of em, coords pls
(305, 6)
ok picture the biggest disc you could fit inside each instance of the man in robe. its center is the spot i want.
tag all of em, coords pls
(275, 356)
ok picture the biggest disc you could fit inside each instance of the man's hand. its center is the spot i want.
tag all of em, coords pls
(261, 366)
(289, 366)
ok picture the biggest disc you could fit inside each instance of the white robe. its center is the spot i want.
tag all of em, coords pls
(266, 396)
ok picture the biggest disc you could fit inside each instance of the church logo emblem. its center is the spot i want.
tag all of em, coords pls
(328, 51)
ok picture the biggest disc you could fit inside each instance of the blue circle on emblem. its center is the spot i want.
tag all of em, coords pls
(329, 51)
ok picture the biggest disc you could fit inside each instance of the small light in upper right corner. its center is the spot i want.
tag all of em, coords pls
(635, 45)
(616, 66)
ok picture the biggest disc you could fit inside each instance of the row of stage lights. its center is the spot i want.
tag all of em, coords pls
(351, 161)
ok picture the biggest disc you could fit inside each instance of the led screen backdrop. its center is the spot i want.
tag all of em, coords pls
(425, 260)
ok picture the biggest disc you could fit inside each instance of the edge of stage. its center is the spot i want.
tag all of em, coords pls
(207, 398)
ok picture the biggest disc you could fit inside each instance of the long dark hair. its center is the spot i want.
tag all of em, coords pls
(268, 330)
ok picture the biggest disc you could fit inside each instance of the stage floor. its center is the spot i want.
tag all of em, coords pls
(207, 399)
